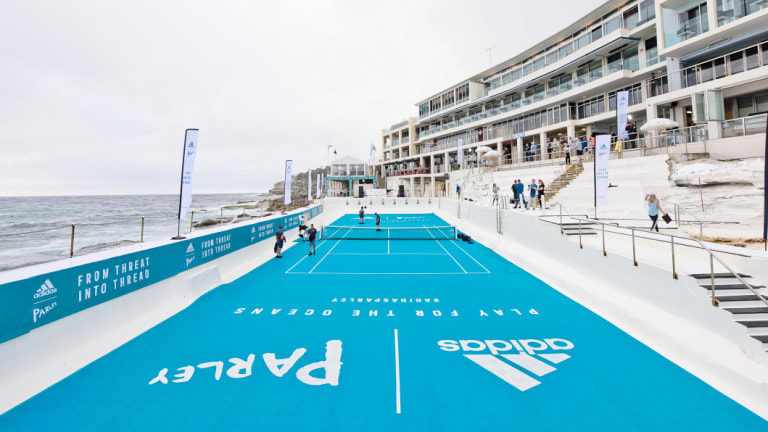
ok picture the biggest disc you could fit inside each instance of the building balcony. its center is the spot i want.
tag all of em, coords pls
(735, 63)
(584, 85)
(735, 18)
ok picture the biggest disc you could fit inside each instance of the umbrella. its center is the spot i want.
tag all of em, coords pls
(658, 124)
(483, 149)
(492, 153)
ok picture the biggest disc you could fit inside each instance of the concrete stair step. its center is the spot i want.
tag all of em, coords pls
(717, 275)
(745, 307)
(728, 296)
(732, 287)
(758, 331)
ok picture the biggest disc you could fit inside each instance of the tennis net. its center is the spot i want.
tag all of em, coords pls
(332, 232)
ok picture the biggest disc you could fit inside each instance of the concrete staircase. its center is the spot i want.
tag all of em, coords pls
(746, 307)
(564, 180)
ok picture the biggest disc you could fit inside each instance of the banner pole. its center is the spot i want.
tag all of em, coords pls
(594, 180)
(181, 188)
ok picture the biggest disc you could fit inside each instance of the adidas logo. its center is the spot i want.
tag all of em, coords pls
(521, 366)
(45, 289)
(253, 230)
(190, 249)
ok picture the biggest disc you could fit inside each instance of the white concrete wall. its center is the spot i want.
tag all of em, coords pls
(672, 317)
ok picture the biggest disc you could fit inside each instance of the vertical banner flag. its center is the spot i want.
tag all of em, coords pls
(322, 180)
(602, 156)
(460, 154)
(317, 192)
(622, 105)
(288, 174)
(309, 185)
(187, 165)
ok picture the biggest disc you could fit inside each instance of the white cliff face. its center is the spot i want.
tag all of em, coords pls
(731, 192)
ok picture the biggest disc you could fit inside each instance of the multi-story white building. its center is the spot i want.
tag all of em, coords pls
(699, 63)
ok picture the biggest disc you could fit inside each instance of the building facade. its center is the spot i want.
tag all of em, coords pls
(348, 177)
(699, 63)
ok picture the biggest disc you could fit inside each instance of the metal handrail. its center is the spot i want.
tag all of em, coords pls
(727, 267)
(672, 236)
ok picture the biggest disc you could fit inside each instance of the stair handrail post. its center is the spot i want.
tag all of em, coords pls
(142, 230)
(581, 245)
(634, 254)
(604, 251)
(674, 270)
(561, 218)
(712, 278)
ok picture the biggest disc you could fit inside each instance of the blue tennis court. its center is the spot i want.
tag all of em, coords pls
(396, 332)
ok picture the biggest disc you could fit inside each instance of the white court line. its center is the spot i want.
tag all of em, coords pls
(397, 373)
(394, 253)
(473, 258)
(394, 273)
(331, 249)
(446, 250)
(305, 256)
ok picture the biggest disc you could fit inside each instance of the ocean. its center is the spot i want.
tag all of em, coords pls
(38, 229)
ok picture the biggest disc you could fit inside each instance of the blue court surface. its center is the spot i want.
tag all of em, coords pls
(383, 333)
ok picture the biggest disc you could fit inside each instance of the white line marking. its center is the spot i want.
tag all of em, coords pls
(305, 256)
(330, 250)
(446, 250)
(473, 258)
(397, 373)
(393, 273)
(51, 298)
(394, 253)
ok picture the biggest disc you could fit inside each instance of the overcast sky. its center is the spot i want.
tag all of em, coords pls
(95, 95)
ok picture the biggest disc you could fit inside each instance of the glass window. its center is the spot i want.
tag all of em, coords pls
(651, 51)
(597, 33)
(539, 63)
(595, 70)
(764, 49)
(745, 106)
(516, 74)
(528, 68)
(614, 62)
(612, 24)
(563, 112)
(762, 102)
(752, 58)
(581, 76)
(582, 40)
(689, 76)
(565, 49)
(611, 101)
(506, 78)
(719, 67)
(704, 19)
(565, 82)
(631, 18)
(736, 63)
(631, 61)
(552, 56)
(647, 11)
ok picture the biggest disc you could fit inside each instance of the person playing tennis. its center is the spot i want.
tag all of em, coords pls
(362, 214)
(378, 221)
(279, 240)
(312, 236)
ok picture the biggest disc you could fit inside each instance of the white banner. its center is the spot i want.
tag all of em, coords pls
(602, 156)
(317, 192)
(622, 105)
(288, 174)
(309, 185)
(460, 154)
(188, 164)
